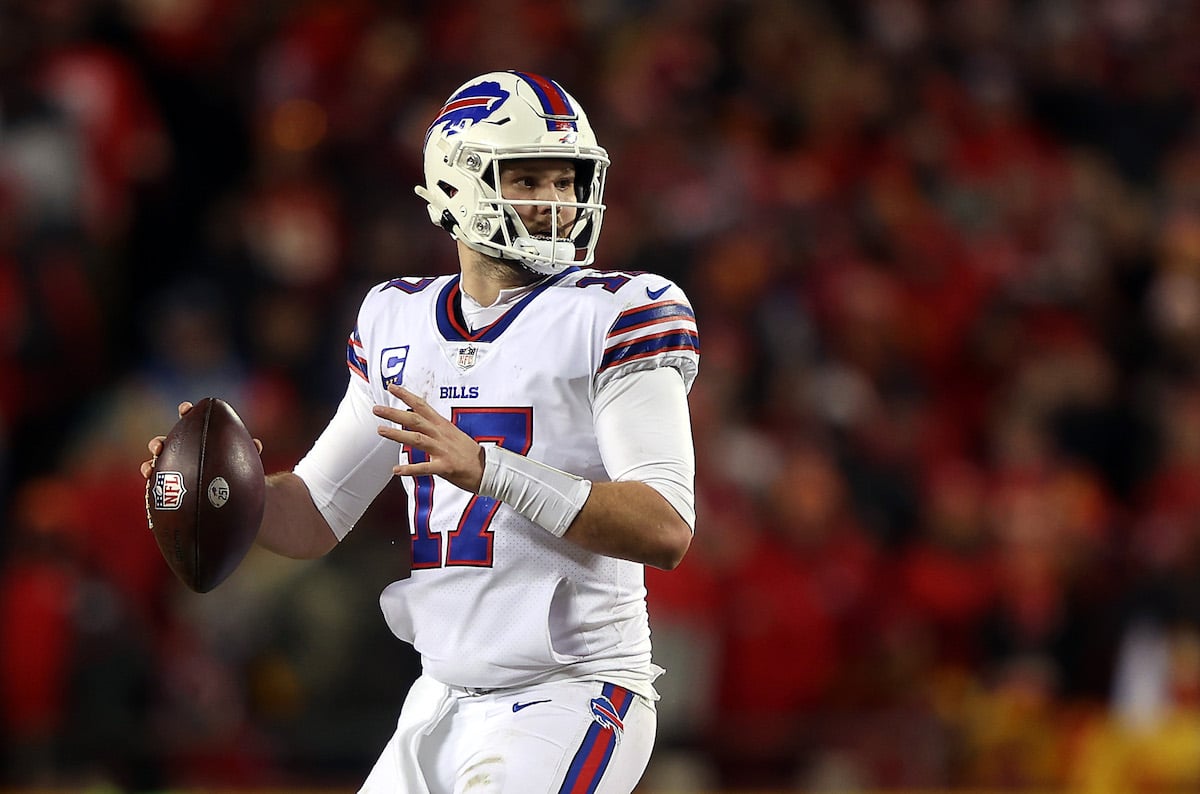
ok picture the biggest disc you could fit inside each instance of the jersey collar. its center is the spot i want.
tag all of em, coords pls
(453, 327)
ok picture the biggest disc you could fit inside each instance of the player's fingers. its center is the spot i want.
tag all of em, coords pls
(409, 438)
(414, 470)
(406, 419)
(391, 414)
(156, 445)
(404, 394)
(147, 469)
(417, 404)
(419, 414)
(184, 407)
(258, 445)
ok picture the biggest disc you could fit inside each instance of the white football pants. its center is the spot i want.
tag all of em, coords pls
(555, 738)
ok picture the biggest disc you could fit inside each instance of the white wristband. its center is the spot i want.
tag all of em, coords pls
(547, 496)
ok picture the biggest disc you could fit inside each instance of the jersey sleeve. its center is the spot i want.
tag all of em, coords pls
(350, 463)
(644, 433)
(657, 330)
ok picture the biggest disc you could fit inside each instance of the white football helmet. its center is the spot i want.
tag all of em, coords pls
(501, 116)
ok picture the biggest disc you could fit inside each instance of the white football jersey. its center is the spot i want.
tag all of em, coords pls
(493, 600)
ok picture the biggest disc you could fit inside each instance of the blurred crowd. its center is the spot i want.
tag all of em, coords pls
(945, 256)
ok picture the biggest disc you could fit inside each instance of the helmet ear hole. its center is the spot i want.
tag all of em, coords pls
(584, 171)
(489, 176)
(447, 188)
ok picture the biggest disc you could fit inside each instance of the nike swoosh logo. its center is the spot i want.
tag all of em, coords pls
(655, 294)
(518, 706)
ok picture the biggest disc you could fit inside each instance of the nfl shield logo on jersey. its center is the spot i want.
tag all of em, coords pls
(465, 356)
(465, 359)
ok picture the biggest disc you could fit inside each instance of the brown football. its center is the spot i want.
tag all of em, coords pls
(204, 499)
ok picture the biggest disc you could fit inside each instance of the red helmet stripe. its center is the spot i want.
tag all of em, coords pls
(554, 99)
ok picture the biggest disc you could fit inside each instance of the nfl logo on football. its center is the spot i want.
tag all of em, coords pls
(168, 490)
(466, 357)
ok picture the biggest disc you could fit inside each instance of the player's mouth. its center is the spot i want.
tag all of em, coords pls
(544, 232)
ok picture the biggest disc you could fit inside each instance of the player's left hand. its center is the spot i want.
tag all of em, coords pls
(453, 455)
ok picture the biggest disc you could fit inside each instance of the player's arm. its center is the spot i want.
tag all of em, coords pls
(642, 424)
(309, 509)
(632, 521)
(647, 513)
(292, 525)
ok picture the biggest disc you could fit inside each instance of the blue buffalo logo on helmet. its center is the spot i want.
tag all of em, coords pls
(470, 106)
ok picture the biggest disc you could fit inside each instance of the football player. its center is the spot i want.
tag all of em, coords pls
(536, 409)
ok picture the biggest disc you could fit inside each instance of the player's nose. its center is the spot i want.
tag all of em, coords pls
(545, 191)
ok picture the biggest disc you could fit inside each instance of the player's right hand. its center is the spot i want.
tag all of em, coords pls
(156, 444)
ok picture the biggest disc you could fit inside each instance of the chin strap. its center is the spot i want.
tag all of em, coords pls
(548, 256)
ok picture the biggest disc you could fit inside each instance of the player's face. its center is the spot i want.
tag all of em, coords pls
(540, 180)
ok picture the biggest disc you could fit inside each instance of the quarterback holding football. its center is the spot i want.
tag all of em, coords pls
(536, 409)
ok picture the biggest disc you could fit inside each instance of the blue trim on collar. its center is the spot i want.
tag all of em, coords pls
(449, 318)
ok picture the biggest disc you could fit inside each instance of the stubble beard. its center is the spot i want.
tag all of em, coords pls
(508, 272)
